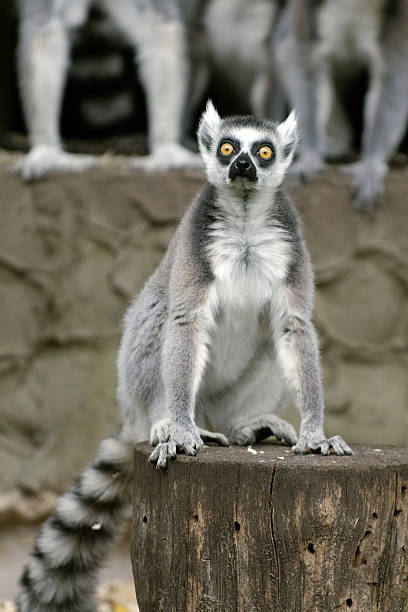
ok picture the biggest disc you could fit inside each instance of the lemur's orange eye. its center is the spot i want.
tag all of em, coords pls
(265, 152)
(226, 149)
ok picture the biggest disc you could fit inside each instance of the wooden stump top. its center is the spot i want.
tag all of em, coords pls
(231, 530)
(269, 453)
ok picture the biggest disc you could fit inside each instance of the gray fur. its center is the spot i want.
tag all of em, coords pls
(233, 41)
(74, 542)
(185, 389)
(198, 306)
(216, 344)
(320, 43)
(155, 31)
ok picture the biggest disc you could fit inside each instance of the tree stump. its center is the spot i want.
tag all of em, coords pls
(230, 530)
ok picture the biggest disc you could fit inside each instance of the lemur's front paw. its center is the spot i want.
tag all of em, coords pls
(171, 438)
(44, 159)
(304, 169)
(367, 183)
(171, 156)
(317, 442)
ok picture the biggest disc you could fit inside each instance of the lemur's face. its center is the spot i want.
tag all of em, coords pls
(246, 151)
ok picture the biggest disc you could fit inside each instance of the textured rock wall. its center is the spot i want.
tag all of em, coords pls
(74, 249)
(361, 267)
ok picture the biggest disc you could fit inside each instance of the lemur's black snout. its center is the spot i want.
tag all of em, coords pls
(243, 163)
(243, 167)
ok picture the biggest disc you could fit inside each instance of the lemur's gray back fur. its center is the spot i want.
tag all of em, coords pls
(213, 347)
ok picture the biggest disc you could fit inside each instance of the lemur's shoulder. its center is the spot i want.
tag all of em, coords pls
(186, 261)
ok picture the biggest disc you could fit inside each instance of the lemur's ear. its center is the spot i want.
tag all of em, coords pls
(208, 127)
(288, 134)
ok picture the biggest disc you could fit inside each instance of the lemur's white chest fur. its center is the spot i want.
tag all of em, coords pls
(249, 252)
(249, 255)
(349, 29)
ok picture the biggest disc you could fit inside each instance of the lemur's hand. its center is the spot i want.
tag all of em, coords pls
(304, 169)
(317, 442)
(170, 438)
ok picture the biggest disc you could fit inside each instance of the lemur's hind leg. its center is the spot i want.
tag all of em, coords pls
(248, 431)
(157, 34)
(247, 412)
(43, 56)
(385, 113)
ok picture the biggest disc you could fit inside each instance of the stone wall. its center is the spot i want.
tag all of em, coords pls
(74, 249)
(361, 268)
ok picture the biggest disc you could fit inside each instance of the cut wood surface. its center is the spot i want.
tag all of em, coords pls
(231, 530)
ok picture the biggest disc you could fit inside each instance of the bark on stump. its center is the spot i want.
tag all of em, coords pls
(234, 531)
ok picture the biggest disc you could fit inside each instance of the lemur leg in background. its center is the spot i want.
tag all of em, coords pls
(268, 98)
(42, 64)
(164, 73)
(157, 34)
(258, 96)
(304, 96)
(385, 115)
(198, 84)
(339, 133)
(198, 52)
(300, 78)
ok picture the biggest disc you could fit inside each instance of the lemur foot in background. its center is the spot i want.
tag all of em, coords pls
(368, 183)
(170, 156)
(304, 169)
(249, 431)
(44, 159)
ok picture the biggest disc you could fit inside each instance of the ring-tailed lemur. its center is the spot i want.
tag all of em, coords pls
(215, 345)
(320, 45)
(152, 27)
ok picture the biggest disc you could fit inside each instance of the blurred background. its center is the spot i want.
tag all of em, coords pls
(75, 247)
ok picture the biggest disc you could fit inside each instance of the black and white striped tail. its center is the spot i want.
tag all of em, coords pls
(75, 540)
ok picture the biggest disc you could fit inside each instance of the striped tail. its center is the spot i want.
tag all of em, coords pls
(75, 540)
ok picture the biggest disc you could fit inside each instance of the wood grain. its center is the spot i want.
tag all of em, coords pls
(233, 531)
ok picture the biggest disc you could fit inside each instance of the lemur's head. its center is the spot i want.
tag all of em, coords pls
(246, 150)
